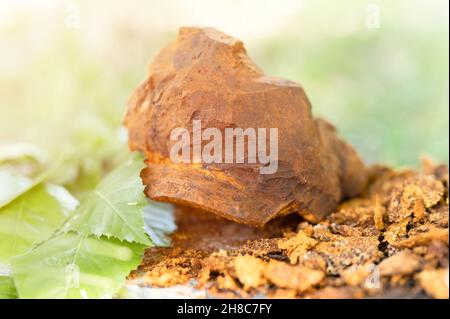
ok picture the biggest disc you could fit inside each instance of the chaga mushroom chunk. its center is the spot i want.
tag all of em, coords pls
(206, 77)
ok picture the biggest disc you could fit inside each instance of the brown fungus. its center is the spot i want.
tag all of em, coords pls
(206, 75)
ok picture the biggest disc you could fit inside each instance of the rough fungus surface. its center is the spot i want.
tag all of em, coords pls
(205, 75)
(390, 242)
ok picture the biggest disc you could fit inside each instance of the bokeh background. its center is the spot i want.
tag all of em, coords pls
(377, 69)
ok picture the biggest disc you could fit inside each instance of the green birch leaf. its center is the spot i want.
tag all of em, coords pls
(72, 265)
(159, 222)
(11, 186)
(115, 207)
(7, 289)
(19, 171)
(21, 151)
(31, 218)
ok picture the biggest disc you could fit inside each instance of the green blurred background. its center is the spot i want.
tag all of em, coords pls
(377, 69)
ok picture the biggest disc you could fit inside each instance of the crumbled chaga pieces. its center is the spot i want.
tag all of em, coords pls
(252, 272)
(435, 282)
(164, 268)
(391, 242)
(402, 263)
(297, 246)
(206, 76)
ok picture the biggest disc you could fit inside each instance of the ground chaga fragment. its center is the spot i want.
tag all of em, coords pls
(297, 246)
(205, 75)
(299, 278)
(357, 216)
(356, 275)
(435, 282)
(265, 248)
(379, 215)
(438, 216)
(219, 268)
(435, 255)
(253, 272)
(414, 196)
(162, 267)
(342, 252)
(402, 263)
(250, 271)
(424, 236)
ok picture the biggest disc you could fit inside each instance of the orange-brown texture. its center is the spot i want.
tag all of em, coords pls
(352, 253)
(206, 75)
